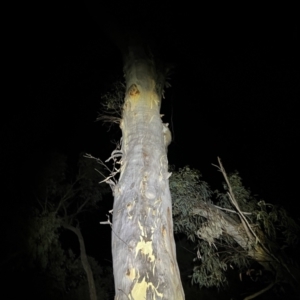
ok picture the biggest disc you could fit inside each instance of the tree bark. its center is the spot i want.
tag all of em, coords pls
(143, 247)
(84, 260)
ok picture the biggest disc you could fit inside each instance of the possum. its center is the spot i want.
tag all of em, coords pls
(167, 135)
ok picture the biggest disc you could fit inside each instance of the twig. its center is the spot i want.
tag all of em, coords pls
(245, 222)
(260, 292)
(230, 210)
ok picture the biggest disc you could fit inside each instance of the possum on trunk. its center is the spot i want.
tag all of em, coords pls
(167, 135)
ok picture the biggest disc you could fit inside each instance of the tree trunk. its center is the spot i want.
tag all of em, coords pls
(143, 247)
(84, 260)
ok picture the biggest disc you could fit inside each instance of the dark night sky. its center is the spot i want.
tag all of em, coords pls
(234, 90)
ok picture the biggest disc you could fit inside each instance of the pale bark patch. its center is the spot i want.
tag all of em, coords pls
(141, 289)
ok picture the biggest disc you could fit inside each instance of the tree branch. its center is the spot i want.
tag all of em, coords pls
(260, 292)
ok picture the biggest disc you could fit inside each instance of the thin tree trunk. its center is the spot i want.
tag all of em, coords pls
(84, 260)
(143, 247)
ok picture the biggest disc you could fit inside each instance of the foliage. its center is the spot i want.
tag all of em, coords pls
(59, 186)
(61, 269)
(78, 287)
(90, 190)
(43, 237)
(212, 222)
(64, 197)
(186, 184)
(243, 196)
(47, 255)
(112, 103)
(269, 221)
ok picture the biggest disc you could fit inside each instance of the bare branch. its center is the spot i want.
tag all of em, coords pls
(260, 292)
(244, 221)
(230, 210)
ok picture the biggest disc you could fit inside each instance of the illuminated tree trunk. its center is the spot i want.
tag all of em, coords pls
(143, 247)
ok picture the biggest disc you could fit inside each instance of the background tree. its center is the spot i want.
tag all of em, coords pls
(233, 229)
(65, 198)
